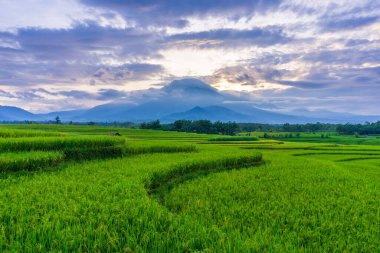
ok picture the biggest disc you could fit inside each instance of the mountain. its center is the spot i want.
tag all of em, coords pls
(335, 117)
(105, 112)
(63, 115)
(189, 99)
(190, 87)
(12, 113)
(177, 96)
(264, 116)
(213, 113)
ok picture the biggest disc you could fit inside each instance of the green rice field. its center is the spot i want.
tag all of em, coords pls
(78, 189)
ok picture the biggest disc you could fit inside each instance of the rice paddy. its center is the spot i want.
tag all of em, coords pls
(81, 190)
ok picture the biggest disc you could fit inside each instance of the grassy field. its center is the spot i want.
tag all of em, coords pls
(78, 189)
(323, 137)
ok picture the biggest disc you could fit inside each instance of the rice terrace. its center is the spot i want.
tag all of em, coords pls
(190, 126)
(75, 188)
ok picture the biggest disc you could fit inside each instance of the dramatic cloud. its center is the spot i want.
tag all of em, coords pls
(86, 51)
(279, 53)
(175, 13)
(350, 23)
(130, 72)
(232, 37)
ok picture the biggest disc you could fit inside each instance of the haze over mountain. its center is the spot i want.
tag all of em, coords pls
(189, 99)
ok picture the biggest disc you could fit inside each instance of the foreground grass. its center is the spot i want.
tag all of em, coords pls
(98, 206)
(304, 197)
(11, 162)
(286, 206)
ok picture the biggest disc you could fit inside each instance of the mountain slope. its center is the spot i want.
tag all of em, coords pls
(189, 99)
(12, 113)
(213, 113)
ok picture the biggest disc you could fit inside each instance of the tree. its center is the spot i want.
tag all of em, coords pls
(203, 126)
(182, 126)
(57, 120)
(151, 125)
(155, 125)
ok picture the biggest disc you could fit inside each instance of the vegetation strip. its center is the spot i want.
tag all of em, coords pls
(11, 162)
(359, 158)
(162, 183)
(13, 133)
(337, 153)
(57, 143)
(235, 138)
(135, 150)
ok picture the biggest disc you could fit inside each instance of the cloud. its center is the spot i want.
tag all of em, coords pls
(344, 15)
(101, 95)
(281, 50)
(262, 37)
(44, 94)
(336, 24)
(87, 40)
(357, 42)
(174, 13)
(245, 75)
(126, 72)
(344, 56)
(36, 13)
(77, 94)
(61, 55)
(111, 94)
(305, 84)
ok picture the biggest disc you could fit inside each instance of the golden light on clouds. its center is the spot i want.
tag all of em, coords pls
(199, 62)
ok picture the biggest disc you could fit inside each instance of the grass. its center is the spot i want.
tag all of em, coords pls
(235, 138)
(11, 162)
(13, 133)
(285, 206)
(160, 183)
(31, 153)
(56, 143)
(135, 147)
(171, 192)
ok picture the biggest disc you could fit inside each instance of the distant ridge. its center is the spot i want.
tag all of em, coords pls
(213, 113)
(190, 99)
(12, 113)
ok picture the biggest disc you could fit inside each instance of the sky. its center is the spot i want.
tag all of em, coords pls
(281, 55)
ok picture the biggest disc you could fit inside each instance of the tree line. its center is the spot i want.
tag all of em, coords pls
(195, 126)
(309, 127)
(229, 128)
(232, 128)
(362, 129)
